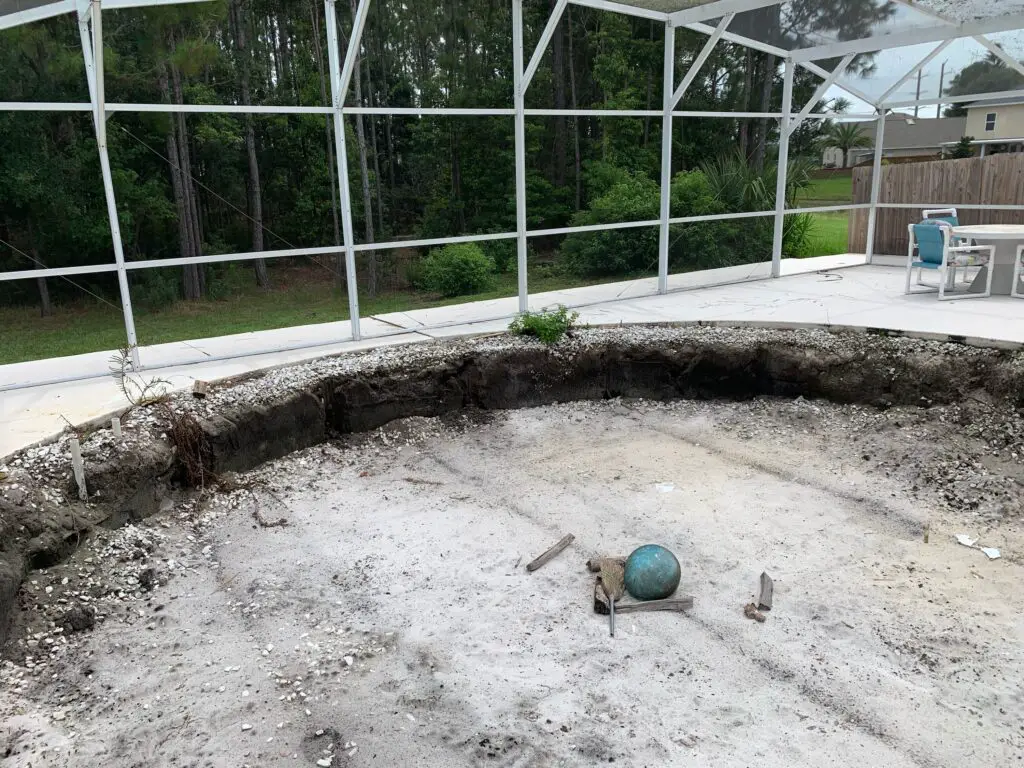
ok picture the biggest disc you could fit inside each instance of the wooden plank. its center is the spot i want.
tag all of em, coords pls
(672, 604)
(764, 600)
(551, 554)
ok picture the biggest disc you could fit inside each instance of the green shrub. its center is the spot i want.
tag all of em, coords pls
(458, 269)
(504, 254)
(728, 185)
(549, 325)
(617, 251)
(155, 288)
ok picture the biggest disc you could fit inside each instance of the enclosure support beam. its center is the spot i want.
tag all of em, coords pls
(918, 67)
(627, 10)
(818, 94)
(708, 11)
(936, 34)
(876, 184)
(783, 169)
(341, 151)
(1000, 54)
(666, 154)
(93, 52)
(542, 45)
(520, 134)
(701, 59)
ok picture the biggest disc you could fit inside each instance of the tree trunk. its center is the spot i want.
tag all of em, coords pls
(575, 120)
(561, 127)
(764, 105)
(364, 173)
(190, 275)
(255, 196)
(748, 85)
(376, 155)
(339, 259)
(45, 305)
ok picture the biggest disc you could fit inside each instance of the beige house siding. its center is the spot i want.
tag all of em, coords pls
(1009, 122)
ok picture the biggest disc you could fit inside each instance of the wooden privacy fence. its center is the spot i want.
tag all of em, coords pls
(994, 180)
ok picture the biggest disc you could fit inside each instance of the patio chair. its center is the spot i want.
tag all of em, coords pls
(1018, 274)
(948, 215)
(951, 217)
(931, 240)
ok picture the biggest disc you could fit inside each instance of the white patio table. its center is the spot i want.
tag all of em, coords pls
(1006, 238)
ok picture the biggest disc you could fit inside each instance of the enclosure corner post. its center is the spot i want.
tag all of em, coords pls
(876, 184)
(782, 173)
(520, 134)
(666, 155)
(340, 148)
(92, 50)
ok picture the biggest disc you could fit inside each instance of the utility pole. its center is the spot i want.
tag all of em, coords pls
(920, 74)
(942, 83)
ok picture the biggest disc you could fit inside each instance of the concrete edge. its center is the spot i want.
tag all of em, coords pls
(971, 341)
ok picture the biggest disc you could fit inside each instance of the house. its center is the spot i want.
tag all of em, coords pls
(996, 125)
(926, 138)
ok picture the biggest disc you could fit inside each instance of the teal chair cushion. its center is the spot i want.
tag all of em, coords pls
(930, 243)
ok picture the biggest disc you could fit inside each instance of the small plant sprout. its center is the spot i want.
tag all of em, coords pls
(548, 325)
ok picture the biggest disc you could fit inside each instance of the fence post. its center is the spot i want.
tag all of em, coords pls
(876, 184)
(783, 169)
(666, 155)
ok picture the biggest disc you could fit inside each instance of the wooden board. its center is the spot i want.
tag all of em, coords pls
(672, 604)
(551, 554)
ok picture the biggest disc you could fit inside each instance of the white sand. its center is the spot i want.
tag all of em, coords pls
(880, 651)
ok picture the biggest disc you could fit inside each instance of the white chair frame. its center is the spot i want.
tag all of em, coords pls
(1018, 274)
(944, 268)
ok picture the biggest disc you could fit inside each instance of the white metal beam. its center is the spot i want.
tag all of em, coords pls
(1002, 55)
(702, 57)
(33, 274)
(936, 34)
(810, 66)
(115, 4)
(518, 96)
(628, 10)
(818, 94)
(955, 99)
(919, 66)
(355, 42)
(746, 42)
(709, 11)
(549, 31)
(93, 52)
(47, 11)
(783, 168)
(876, 185)
(668, 102)
(341, 158)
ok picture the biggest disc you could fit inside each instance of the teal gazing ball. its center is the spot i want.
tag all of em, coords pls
(652, 573)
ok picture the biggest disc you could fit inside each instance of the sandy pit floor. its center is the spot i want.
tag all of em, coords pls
(389, 619)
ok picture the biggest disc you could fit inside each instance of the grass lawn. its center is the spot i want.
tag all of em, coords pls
(833, 190)
(300, 296)
(829, 234)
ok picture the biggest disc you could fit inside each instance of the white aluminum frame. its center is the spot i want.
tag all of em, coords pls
(695, 18)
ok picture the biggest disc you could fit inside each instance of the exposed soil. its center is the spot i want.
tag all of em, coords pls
(360, 576)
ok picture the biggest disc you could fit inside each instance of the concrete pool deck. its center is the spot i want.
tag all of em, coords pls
(827, 291)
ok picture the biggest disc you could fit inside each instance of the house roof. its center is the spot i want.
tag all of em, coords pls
(1009, 101)
(906, 132)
